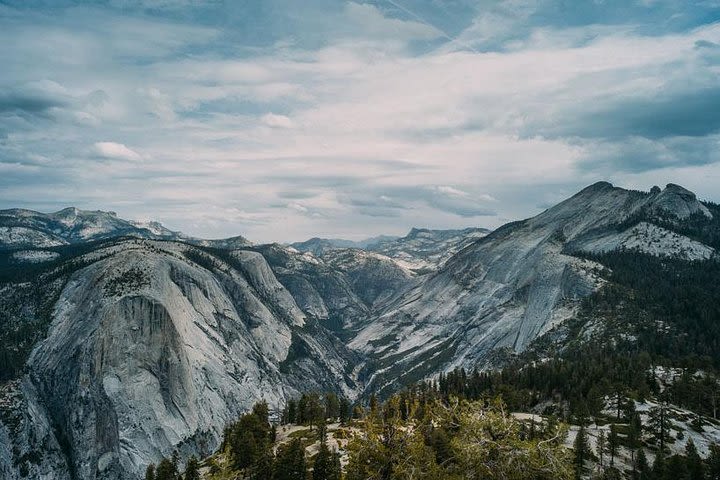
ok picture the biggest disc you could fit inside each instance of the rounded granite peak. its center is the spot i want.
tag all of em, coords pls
(679, 201)
(678, 190)
(67, 212)
(600, 186)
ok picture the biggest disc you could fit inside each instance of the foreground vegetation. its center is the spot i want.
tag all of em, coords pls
(410, 436)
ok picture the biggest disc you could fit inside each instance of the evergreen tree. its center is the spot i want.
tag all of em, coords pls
(601, 446)
(192, 469)
(439, 440)
(345, 412)
(694, 463)
(290, 462)
(249, 439)
(311, 409)
(261, 411)
(641, 470)
(582, 449)
(613, 443)
(635, 431)
(335, 472)
(713, 463)
(659, 466)
(332, 406)
(150, 472)
(166, 470)
(262, 469)
(677, 468)
(322, 430)
(322, 465)
(291, 411)
(659, 425)
(373, 406)
(300, 417)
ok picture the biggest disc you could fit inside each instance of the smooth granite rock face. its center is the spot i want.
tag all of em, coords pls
(150, 352)
(506, 289)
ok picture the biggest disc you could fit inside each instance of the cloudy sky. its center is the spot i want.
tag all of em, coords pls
(286, 119)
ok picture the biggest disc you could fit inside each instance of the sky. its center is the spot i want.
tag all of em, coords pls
(282, 120)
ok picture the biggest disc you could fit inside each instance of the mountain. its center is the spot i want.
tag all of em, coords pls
(318, 246)
(21, 228)
(120, 343)
(512, 286)
(422, 250)
(153, 346)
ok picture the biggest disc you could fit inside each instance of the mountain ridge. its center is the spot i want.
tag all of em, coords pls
(28, 228)
(135, 346)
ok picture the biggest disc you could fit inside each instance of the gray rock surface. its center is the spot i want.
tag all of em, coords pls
(506, 289)
(149, 351)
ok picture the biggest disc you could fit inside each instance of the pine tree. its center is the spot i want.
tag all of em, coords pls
(166, 470)
(659, 466)
(659, 425)
(332, 406)
(601, 446)
(290, 462)
(613, 443)
(322, 430)
(693, 461)
(713, 463)
(250, 438)
(582, 449)
(313, 410)
(373, 406)
(321, 468)
(345, 412)
(262, 469)
(300, 417)
(335, 472)
(150, 472)
(641, 468)
(291, 411)
(634, 436)
(192, 469)
(676, 468)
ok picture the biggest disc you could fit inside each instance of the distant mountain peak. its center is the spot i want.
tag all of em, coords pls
(20, 228)
(598, 187)
(679, 201)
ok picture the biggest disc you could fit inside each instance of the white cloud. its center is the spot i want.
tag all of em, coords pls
(448, 190)
(277, 121)
(297, 207)
(116, 151)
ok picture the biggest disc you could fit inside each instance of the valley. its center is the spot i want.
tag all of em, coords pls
(122, 342)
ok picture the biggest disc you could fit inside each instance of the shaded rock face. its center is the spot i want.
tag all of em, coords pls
(149, 352)
(322, 292)
(375, 278)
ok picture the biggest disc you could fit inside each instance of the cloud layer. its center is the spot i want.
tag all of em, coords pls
(281, 120)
